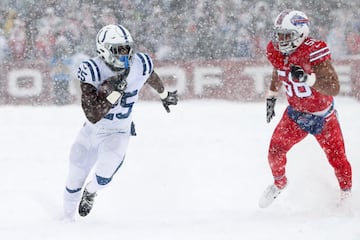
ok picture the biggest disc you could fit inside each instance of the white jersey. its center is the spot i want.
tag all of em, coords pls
(94, 71)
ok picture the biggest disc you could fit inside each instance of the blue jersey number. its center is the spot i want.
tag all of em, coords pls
(127, 105)
(124, 104)
(81, 75)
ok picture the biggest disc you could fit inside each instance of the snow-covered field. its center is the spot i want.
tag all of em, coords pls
(196, 173)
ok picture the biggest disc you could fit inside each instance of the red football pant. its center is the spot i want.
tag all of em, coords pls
(287, 133)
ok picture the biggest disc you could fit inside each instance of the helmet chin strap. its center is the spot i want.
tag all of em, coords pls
(124, 59)
(291, 49)
(119, 70)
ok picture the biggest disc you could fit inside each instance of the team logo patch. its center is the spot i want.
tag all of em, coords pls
(299, 20)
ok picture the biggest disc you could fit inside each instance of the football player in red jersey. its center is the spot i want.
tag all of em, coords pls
(303, 66)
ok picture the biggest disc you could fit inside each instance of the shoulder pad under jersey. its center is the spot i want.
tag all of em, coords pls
(319, 51)
(144, 62)
(89, 72)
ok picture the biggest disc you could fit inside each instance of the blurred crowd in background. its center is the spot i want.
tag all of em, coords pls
(60, 34)
(44, 30)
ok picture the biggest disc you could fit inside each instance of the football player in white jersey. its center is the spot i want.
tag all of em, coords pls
(110, 84)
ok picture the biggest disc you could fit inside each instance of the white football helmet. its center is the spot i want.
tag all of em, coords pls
(290, 30)
(114, 45)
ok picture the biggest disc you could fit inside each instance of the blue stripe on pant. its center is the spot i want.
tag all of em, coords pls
(103, 181)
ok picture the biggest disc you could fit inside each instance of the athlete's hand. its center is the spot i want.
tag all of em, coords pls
(170, 99)
(113, 88)
(118, 82)
(298, 75)
(270, 108)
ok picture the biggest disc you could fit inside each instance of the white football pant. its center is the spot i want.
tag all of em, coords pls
(102, 152)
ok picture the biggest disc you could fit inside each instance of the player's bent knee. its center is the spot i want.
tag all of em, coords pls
(77, 154)
(102, 180)
(72, 190)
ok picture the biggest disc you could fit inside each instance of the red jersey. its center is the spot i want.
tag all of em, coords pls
(299, 95)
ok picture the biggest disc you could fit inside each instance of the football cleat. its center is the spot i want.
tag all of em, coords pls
(86, 203)
(345, 204)
(344, 195)
(269, 195)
